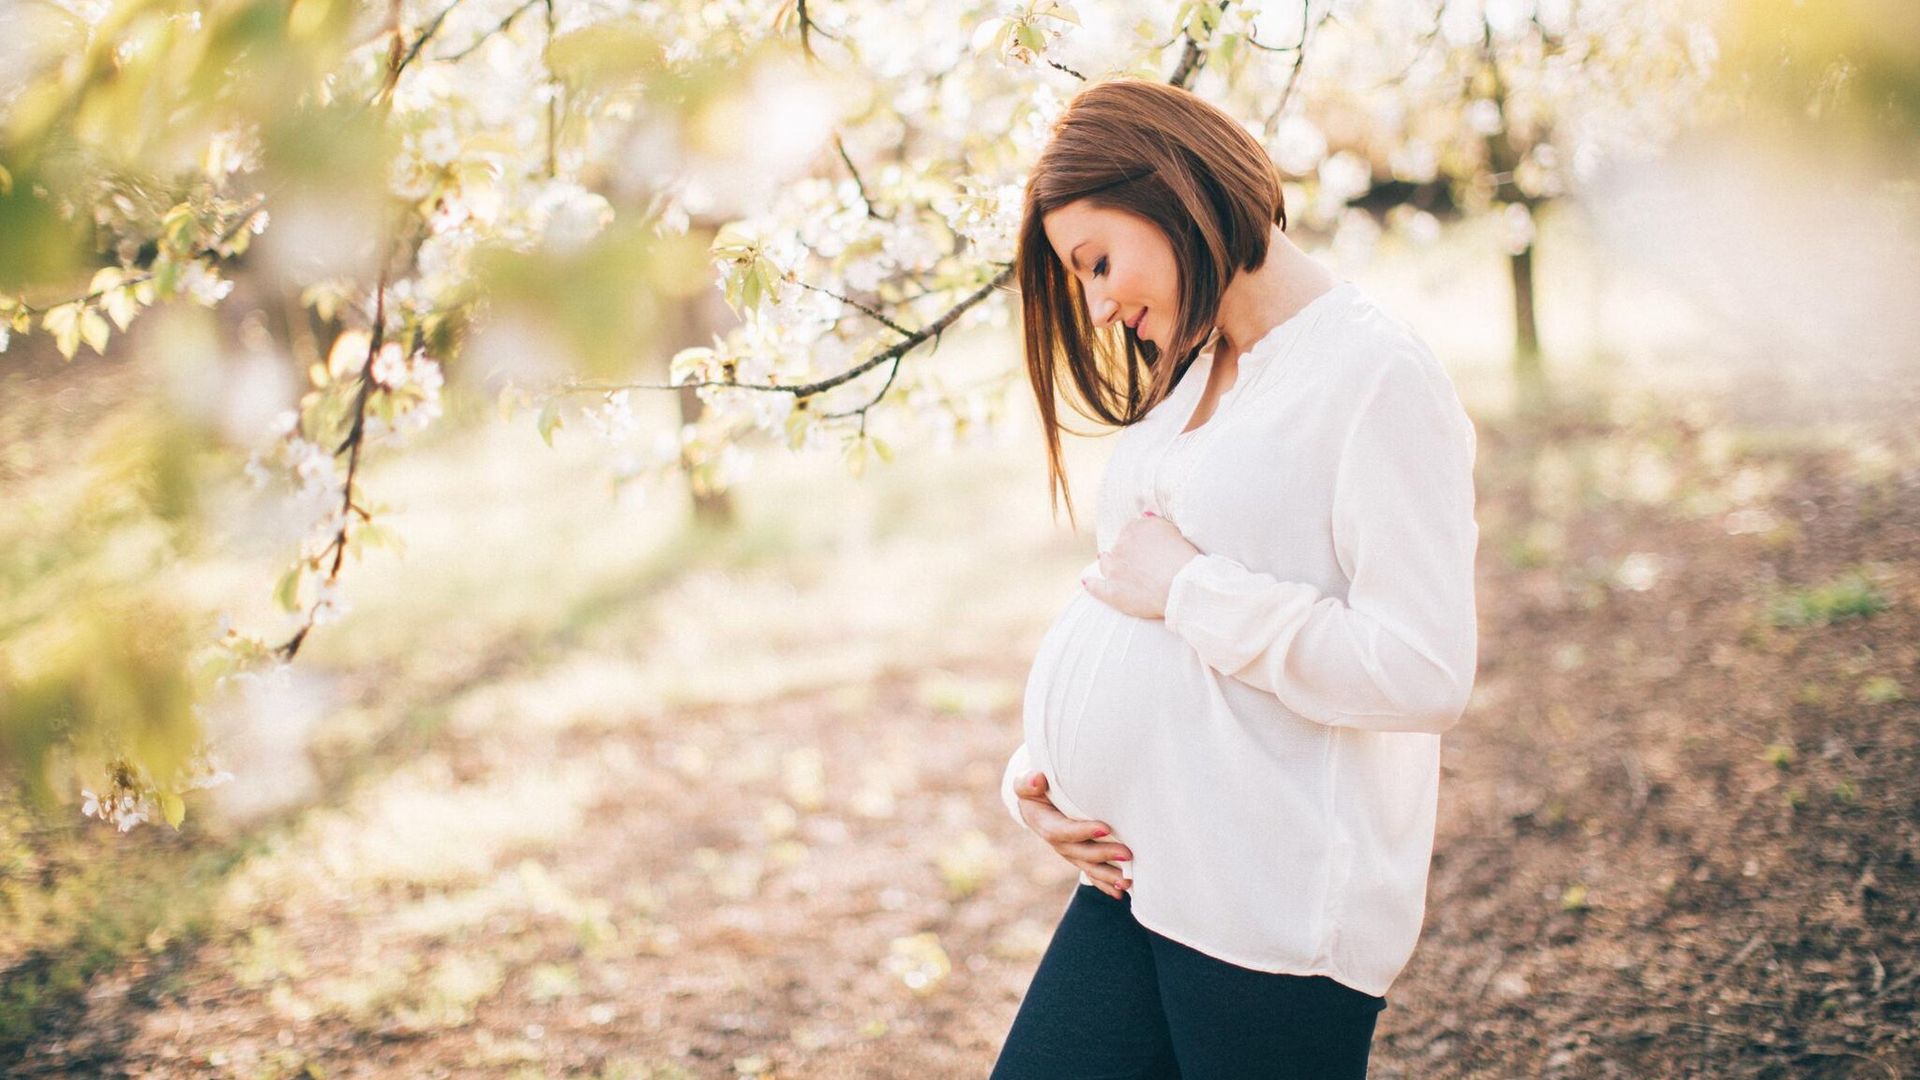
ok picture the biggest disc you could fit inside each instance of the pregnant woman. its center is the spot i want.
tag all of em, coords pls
(1233, 730)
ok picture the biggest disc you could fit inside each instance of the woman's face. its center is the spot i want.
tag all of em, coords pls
(1124, 265)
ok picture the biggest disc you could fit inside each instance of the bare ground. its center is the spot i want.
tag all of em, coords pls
(1677, 836)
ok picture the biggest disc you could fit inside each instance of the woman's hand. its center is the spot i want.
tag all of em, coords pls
(1138, 572)
(1072, 837)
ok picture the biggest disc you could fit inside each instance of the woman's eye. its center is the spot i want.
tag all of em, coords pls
(1100, 267)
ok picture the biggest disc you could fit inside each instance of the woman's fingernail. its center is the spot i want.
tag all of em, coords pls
(1100, 832)
(1152, 514)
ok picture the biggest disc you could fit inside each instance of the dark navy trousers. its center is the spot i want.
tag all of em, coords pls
(1112, 1000)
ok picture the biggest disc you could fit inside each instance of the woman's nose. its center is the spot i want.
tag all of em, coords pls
(1104, 310)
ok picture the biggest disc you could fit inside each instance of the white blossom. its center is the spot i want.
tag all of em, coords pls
(613, 419)
(438, 146)
(1299, 147)
(1420, 226)
(312, 463)
(568, 215)
(1483, 116)
(390, 366)
(425, 374)
(1517, 229)
(122, 805)
(329, 604)
(865, 274)
(205, 286)
(257, 473)
(770, 410)
(1414, 160)
(417, 418)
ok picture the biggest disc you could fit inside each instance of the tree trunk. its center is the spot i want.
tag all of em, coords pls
(689, 322)
(1529, 374)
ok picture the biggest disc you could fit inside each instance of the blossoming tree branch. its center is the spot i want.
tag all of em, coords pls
(499, 198)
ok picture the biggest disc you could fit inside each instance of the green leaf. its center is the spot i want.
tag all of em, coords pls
(174, 808)
(178, 226)
(688, 362)
(735, 240)
(94, 330)
(1229, 48)
(379, 536)
(1183, 15)
(287, 593)
(986, 36)
(549, 419)
(120, 306)
(324, 300)
(1057, 11)
(880, 447)
(63, 323)
(1031, 37)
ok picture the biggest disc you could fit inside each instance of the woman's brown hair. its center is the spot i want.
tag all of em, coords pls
(1166, 155)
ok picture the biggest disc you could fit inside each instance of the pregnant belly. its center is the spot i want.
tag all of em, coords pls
(1110, 700)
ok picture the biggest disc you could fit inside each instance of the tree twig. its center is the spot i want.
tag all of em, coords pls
(857, 182)
(413, 51)
(498, 28)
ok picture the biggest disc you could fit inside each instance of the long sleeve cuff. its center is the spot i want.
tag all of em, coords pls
(1228, 616)
(1323, 659)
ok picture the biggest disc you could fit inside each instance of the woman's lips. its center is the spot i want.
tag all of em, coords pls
(1137, 320)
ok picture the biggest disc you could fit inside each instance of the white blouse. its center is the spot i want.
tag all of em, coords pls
(1270, 750)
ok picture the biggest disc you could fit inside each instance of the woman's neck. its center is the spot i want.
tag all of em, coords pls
(1255, 302)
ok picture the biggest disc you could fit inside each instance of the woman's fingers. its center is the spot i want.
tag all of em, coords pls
(1076, 839)
(1095, 853)
(1105, 878)
(1041, 816)
(1105, 872)
(1046, 819)
(1058, 828)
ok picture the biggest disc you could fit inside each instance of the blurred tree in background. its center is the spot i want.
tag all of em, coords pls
(504, 200)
